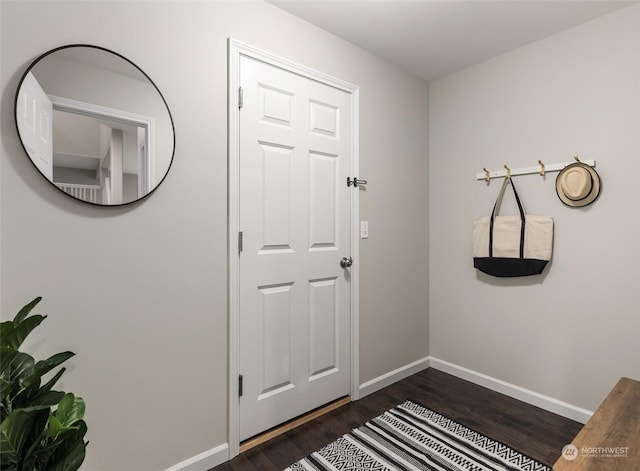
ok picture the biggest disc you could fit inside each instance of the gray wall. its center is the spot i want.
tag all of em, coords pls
(140, 293)
(572, 332)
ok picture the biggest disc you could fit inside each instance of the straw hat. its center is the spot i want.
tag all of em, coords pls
(578, 185)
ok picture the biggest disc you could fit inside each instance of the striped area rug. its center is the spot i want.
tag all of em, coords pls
(412, 437)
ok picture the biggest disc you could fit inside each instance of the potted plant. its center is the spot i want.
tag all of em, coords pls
(40, 429)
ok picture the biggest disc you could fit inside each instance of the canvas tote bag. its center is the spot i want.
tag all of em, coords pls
(509, 246)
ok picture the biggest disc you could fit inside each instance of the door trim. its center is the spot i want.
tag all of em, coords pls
(237, 49)
(146, 168)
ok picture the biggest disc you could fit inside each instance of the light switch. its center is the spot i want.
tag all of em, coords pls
(364, 229)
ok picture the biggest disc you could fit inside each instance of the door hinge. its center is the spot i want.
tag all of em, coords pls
(355, 182)
(240, 98)
(240, 242)
(240, 385)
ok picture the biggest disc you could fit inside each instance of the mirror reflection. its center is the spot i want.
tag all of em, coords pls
(94, 125)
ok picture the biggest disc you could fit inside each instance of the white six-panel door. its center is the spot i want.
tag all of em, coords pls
(295, 216)
(34, 115)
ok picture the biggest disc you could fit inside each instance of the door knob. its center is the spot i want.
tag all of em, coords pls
(346, 262)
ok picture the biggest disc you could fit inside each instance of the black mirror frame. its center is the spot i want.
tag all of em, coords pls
(15, 117)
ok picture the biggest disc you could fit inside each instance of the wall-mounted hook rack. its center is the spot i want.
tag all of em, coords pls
(540, 169)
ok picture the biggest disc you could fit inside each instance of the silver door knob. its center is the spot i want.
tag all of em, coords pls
(346, 262)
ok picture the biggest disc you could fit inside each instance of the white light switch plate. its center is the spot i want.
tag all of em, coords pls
(364, 229)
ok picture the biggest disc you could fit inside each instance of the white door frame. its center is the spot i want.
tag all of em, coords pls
(146, 170)
(236, 50)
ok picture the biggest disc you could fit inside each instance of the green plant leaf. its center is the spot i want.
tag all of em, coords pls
(71, 443)
(70, 410)
(8, 466)
(26, 309)
(72, 460)
(7, 354)
(43, 401)
(34, 441)
(29, 391)
(28, 374)
(44, 366)
(22, 366)
(42, 454)
(55, 427)
(14, 431)
(23, 329)
(41, 449)
(6, 333)
(5, 388)
(32, 437)
(13, 333)
(32, 408)
(47, 387)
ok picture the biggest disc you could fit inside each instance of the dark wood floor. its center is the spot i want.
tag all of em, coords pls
(528, 429)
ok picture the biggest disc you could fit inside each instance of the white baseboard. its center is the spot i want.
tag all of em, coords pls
(220, 454)
(204, 461)
(391, 377)
(531, 397)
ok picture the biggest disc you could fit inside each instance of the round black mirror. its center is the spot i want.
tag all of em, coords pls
(94, 125)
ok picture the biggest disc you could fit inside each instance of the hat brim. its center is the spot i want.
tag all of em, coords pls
(590, 197)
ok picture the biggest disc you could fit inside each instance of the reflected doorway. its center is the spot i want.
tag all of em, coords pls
(101, 155)
(97, 159)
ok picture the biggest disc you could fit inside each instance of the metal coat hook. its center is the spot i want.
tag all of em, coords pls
(488, 176)
(508, 175)
(541, 168)
(576, 157)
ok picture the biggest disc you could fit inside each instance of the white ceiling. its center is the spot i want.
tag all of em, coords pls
(432, 38)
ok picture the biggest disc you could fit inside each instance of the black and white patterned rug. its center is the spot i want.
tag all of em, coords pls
(412, 437)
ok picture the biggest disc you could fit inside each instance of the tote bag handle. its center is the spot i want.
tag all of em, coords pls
(496, 210)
